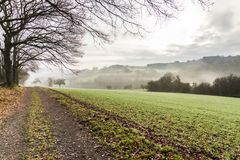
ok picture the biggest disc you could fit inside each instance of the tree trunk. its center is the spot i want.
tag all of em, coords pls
(7, 61)
(8, 70)
(15, 75)
(1, 73)
(15, 68)
(8, 64)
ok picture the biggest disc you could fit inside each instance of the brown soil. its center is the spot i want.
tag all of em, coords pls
(73, 139)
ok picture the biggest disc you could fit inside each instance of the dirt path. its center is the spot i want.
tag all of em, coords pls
(73, 140)
(12, 133)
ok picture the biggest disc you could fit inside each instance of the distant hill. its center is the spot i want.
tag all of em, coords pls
(120, 76)
(214, 64)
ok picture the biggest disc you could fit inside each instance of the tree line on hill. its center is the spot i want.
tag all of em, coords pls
(223, 86)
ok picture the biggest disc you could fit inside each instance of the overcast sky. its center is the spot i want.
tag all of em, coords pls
(194, 33)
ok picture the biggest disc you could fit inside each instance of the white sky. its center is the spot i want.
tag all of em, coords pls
(194, 33)
(129, 50)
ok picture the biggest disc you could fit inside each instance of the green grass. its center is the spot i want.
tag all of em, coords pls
(207, 124)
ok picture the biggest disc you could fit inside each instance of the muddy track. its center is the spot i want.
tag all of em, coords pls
(74, 142)
(147, 132)
(12, 143)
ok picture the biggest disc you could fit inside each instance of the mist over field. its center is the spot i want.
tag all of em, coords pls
(206, 69)
(194, 33)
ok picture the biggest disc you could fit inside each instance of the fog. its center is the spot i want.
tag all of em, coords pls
(133, 77)
(194, 33)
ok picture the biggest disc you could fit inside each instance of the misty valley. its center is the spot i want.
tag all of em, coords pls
(204, 70)
(119, 80)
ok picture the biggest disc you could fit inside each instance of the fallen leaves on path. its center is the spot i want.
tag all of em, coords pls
(9, 100)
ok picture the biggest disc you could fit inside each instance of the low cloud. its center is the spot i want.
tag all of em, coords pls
(222, 21)
(218, 36)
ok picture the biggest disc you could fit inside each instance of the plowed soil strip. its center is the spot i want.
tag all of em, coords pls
(73, 140)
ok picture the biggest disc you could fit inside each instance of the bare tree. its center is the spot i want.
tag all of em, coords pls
(49, 31)
(50, 82)
(59, 82)
(37, 81)
(36, 31)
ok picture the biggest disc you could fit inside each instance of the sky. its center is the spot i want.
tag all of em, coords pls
(193, 33)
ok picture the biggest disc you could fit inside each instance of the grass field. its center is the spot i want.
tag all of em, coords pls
(205, 124)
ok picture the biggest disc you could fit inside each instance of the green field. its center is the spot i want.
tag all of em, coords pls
(205, 124)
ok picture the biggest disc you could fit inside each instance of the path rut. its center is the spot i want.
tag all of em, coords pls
(74, 141)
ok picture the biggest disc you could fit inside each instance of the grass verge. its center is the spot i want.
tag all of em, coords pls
(40, 140)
